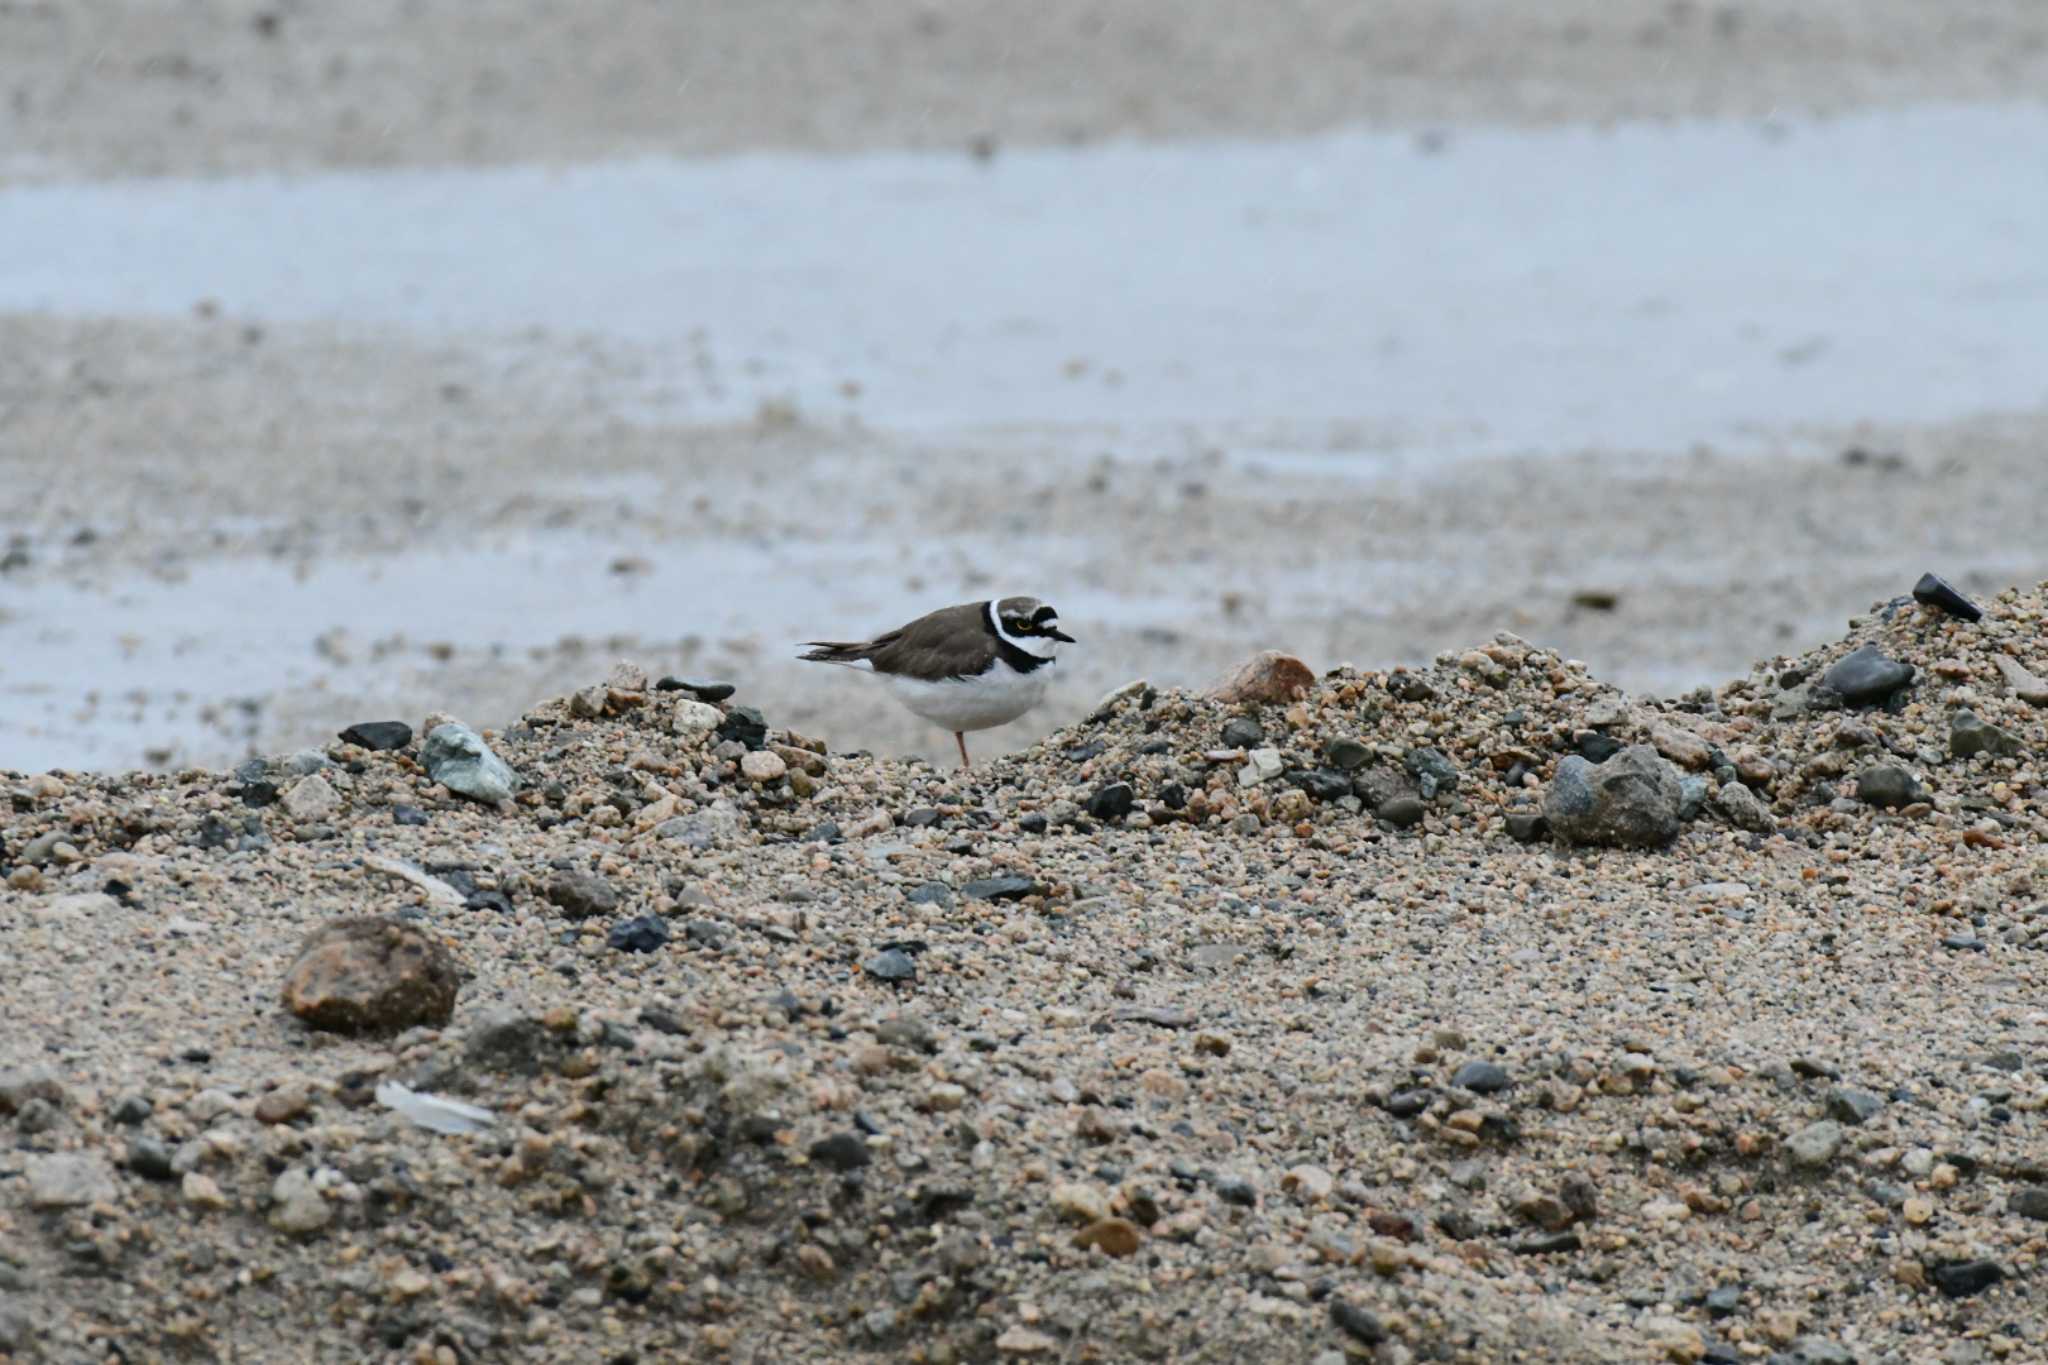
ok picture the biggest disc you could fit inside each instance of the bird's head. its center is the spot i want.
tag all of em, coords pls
(1029, 624)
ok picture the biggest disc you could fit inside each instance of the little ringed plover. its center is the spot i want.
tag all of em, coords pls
(970, 667)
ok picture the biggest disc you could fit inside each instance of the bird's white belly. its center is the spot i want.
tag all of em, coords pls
(995, 698)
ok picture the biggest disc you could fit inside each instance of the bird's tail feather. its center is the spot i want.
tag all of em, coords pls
(834, 652)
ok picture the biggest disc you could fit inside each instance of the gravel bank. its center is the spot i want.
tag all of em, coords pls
(1197, 1031)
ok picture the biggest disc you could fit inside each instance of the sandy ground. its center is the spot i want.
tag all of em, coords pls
(135, 87)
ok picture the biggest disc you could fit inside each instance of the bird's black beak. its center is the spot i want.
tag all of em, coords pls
(1055, 633)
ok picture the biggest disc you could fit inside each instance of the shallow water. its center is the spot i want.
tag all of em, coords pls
(1646, 287)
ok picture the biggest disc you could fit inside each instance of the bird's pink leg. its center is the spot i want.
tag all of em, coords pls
(960, 739)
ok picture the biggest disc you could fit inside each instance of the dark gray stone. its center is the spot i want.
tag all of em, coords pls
(1969, 736)
(931, 893)
(1431, 770)
(701, 689)
(1114, 801)
(1962, 1279)
(1481, 1078)
(1630, 801)
(1356, 1322)
(580, 894)
(841, 1152)
(1867, 678)
(1527, 826)
(1853, 1106)
(506, 1040)
(641, 934)
(892, 965)
(1002, 889)
(1402, 812)
(1888, 786)
(1346, 755)
(381, 735)
(1242, 732)
(2031, 1202)
(1239, 1192)
(1932, 591)
(150, 1159)
(1724, 1301)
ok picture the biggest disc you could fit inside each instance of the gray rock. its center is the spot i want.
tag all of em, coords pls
(1432, 772)
(891, 965)
(1820, 1351)
(1402, 812)
(1743, 809)
(1888, 786)
(1692, 797)
(1867, 677)
(305, 763)
(1002, 889)
(1242, 732)
(703, 831)
(311, 798)
(457, 757)
(21, 1084)
(506, 1040)
(1969, 736)
(2031, 1202)
(17, 1329)
(70, 1180)
(907, 1030)
(1816, 1144)
(1853, 1106)
(580, 894)
(1346, 755)
(1481, 1078)
(297, 1208)
(150, 1159)
(931, 893)
(1630, 801)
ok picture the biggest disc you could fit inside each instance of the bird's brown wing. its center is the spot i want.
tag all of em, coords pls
(952, 642)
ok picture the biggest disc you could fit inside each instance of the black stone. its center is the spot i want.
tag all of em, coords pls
(1002, 889)
(1405, 1104)
(1526, 827)
(1595, 747)
(1543, 1244)
(1174, 796)
(381, 735)
(1033, 823)
(934, 1202)
(1402, 812)
(1112, 802)
(1961, 1279)
(488, 900)
(701, 690)
(841, 1151)
(1346, 754)
(891, 965)
(1324, 784)
(1239, 1192)
(148, 1158)
(1481, 1078)
(1964, 943)
(408, 815)
(1356, 1323)
(660, 1020)
(746, 725)
(641, 934)
(1867, 677)
(1889, 786)
(1931, 591)
(1243, 733)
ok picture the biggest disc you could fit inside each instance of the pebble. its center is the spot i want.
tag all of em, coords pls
(1969, 736)
(19, 1085)
(378, 735)
(1963, 1279)
(1111, 1236)
(69, 1180)
(2027, 687)
(457, 757)
(1343, 753)
(310, 799)
(366, 974)
(202, 1191)
(2031, 1202)
(1816, 1144)
(841, 1152)
(1630, 801)
(703, 689)
(1889, 787)
(1402, 812)
(581, 894)
(695, 718)
(1933, 591)
(1481, 1078)
(1355, 1322)
(1867, 677)
(1002, 889)
(641, 934)
(1853, 1106)
(762, 767)
(1271, 678)
(1260, 765)
(1242, 732)
(297, 1206)
(1024, 1341)
(1112, 802)
(892, 965)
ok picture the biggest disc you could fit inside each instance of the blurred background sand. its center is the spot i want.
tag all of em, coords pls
(359, 361)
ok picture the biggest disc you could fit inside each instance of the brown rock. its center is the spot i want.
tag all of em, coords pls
(283, 1104)
(370, 975)
(1114, 1236)
(1267, 677)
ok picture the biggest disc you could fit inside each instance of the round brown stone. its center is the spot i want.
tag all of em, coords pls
(370, 975)
(1270, 677)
